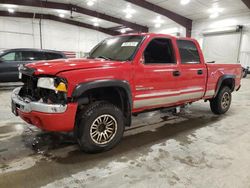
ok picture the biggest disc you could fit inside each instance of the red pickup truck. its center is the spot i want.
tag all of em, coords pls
(123, 76)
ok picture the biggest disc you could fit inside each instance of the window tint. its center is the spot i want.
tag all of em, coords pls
(188, 52)
(11, 56)
(51, 56)
(159, 51)
(32, 56)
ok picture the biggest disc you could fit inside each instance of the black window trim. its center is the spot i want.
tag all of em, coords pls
(172, 44)
(193, 63)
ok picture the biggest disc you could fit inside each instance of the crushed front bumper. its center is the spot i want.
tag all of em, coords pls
(50, 117)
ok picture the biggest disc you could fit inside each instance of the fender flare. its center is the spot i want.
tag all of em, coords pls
(85, 86)
(220, 81)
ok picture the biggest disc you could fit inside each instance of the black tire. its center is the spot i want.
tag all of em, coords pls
(244, 74)
(218, 104)
(89, 119)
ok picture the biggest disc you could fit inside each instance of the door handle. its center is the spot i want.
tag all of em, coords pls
(199, 72)
(176, 73)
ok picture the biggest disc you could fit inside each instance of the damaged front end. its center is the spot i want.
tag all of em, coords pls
(42, 101)
(40, 93)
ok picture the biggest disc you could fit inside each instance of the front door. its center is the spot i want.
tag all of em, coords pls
(156, 76)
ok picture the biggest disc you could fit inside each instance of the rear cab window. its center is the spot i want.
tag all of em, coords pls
(188, 52)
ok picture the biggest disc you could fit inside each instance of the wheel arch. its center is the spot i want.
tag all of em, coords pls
(225, 80)
(119, 88)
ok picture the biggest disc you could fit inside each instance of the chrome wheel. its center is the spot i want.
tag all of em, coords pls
(103, 129)
(225, 101)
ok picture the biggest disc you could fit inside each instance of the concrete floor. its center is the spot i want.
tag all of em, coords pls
(195, 149)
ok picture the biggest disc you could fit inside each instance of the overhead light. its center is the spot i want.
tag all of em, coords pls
(11, 10)
(214, 15)
(95, 20)
(215, 11)
(184, 2)
(90, 3)
(157, 25)
(128, 16)
(61, 15)
(96, 24)
(60, 11)
(123, 30)
(158, 22)
(129, 11)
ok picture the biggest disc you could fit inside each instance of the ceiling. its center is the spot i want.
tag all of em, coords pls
(196, 9)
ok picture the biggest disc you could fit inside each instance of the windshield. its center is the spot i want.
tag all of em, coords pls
(121, 48)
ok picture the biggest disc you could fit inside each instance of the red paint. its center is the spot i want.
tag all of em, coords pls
(159, 77)
(52, 122)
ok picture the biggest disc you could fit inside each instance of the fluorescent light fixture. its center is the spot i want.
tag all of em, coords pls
(90, 3)
(123, 30)
(11, 10)
(184, 2)
(61, 15)
(96, 24)
(214, 15)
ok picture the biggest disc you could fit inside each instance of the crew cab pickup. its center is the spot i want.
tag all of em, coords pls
(123, 76)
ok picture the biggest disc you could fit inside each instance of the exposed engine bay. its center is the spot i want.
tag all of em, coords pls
(30, 92)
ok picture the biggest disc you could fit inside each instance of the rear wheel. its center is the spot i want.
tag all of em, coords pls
(100, 127)
(221, 103)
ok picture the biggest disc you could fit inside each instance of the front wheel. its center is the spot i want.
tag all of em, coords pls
(100, 127)
(221, 103)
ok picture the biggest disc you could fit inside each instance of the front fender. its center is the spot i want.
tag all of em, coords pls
(83, 87)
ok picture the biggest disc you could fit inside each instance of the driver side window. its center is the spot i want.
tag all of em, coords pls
(159, 51)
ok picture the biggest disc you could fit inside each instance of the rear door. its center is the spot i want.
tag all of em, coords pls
(193, 71)
(9, 66)
(156, 78)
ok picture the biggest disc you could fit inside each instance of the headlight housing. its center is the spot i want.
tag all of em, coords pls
(56, 84)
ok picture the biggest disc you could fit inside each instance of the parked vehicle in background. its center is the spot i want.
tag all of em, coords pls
(245, 71)
(12, 58)
(123, 76)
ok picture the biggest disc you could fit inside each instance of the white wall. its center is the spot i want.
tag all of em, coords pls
(171, 29)
(25, 33)
(239, 19)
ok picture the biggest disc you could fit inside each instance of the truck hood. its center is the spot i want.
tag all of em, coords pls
(53, 67)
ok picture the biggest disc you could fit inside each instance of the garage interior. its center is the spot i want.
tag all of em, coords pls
(193, 148)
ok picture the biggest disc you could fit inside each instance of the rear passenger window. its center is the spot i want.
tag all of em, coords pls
(188, 52)
(51, 56)
(159, 51)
